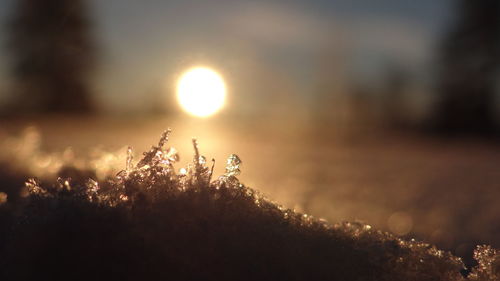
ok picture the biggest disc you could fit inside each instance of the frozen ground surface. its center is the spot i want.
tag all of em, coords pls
(445, 192)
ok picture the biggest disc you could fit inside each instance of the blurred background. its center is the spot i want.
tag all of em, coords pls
(382, 111)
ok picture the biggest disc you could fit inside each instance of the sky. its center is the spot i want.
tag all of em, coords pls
(264, 49)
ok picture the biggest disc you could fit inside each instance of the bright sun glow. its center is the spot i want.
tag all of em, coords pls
(201, 91)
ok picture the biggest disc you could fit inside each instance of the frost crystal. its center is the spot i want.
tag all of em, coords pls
(233, 165)
(488, 264)
(197, 160)
(130, 157)
(34, 188)
(202, 160)
(92, 189)
(164, 137)
(171, 156)
(156, 154)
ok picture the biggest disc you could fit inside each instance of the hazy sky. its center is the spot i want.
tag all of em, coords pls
(145, 44)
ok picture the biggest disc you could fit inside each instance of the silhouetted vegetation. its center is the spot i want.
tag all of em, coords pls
(470, 61)
(52, 54)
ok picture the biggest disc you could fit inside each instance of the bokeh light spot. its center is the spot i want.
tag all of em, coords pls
(400, 223)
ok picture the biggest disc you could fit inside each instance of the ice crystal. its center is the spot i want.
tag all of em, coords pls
(156, 154)
(182, 171)
(171, 156)
(198, 171)
(34, 188)
(154, 174)
(63, 184)
(233, 165)
(92, 189)
(130, 157)
(488, 264)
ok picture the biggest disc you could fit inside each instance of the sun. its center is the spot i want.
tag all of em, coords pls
(201, 91)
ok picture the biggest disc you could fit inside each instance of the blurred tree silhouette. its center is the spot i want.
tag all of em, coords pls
(470, 60)
(396, 82)
(52, 55)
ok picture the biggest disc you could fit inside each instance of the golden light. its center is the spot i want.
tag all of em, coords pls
(201, 91)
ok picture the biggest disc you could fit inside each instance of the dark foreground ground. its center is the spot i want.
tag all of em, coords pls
(440, 191)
